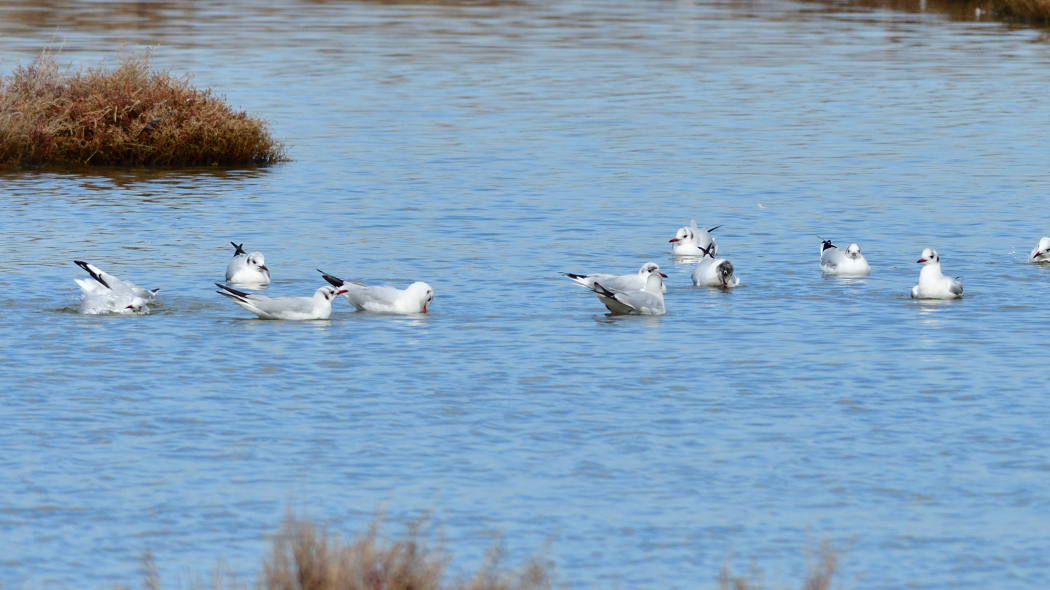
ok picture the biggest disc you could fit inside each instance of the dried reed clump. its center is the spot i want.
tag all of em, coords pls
(127, 115)
(306, 557)
(1023, 10)
(820, 573)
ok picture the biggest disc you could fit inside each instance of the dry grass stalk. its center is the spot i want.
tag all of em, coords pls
(820, 573)
(127, 115)
(307, 558)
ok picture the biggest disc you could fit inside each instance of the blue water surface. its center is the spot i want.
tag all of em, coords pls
(485, 148)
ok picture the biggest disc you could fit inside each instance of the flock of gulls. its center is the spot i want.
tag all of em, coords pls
(639, 294)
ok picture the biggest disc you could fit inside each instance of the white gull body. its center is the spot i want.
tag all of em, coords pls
(635, 282)
(646, 302)
(247, 268)
(318, 307)
(850, 263)
(932, 282)
(693, 240)
(104, 293)
(383, 299)
(1041, 252)
(714, 272)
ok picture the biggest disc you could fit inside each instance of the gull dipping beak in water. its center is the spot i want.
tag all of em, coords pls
(1041, 252)
(714, 272)
(383, 299)
(104, 293)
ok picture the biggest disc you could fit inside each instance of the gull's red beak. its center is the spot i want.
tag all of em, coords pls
(340, 291)
(673, 240)
(425, 307)
(921, 260)
(263, 266)
(663, 275)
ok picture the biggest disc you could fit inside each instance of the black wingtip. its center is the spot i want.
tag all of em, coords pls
(229, 290)
(602, 291)
(87, 267)
(240, 249)
(827, 244)
(708, 251)
(334, 281)
(713, 228)
(573, 276)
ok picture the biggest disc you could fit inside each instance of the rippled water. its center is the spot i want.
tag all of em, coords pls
(485, 149)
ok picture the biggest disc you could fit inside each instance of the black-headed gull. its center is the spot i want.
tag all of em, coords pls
(693, 240)
(1041, 252)
(836, 262)
(105, 293)
(318, 307)
(649, 301)
(383, 299)
(635, 282)
(247, 268)
(932, 283)
(714, 272)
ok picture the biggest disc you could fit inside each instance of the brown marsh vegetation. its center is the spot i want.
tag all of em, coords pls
(126, 115)
(305, 556)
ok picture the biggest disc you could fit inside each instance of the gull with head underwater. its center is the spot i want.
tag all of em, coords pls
(105, 293)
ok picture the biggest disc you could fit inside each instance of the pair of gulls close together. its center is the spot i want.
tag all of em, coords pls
(105, 293)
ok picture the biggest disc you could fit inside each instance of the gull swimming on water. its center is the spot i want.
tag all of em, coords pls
(247, 268)
(318, 307)
(647, 302)
(635, 282)
(383, 299)
(836, 262)
(714, 272)
(693, 240)
(1041, 252)
(932, 283)
(105, 293)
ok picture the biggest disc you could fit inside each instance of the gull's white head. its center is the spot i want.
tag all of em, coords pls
(423, 292)
(649, 268)
(853, 251)
(929, 256)
(328, 292)
(137, 305)
(257, 261)
(654, 284)
(1041, 249)
(685, 235)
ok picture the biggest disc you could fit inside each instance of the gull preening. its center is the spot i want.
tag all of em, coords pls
(318, 307)
(932, 282)
(714, 272)
(635, 282)
(838, 263)
(693, 240)
(105, 293)
(649, 301)
(247, 268)
(1041, 252)
(384, 299)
